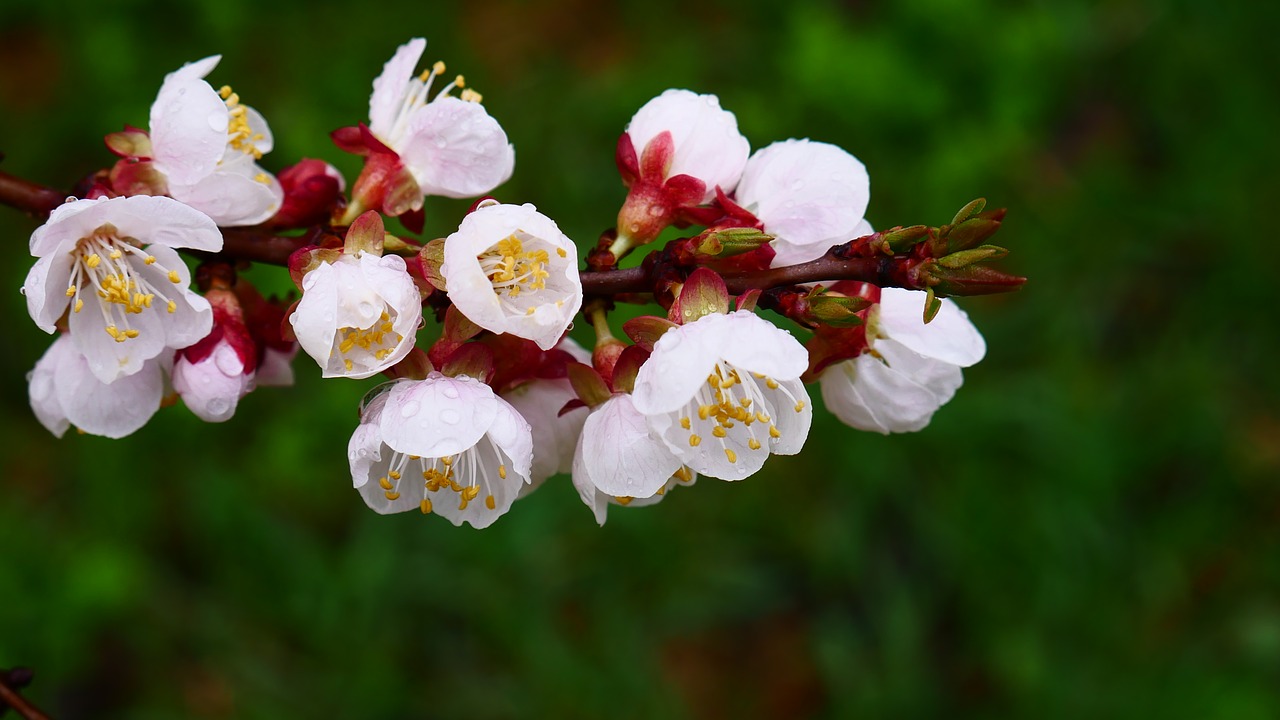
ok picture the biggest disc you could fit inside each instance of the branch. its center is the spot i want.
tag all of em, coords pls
(27, 196)
(10, 699)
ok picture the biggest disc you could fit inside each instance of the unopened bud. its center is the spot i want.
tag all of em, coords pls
(730, 241)
(902, 239)
(970, 233)
(835, 310)
(970, 280)
(965, 258)
(971, 210)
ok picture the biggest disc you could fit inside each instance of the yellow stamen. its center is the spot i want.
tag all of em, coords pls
(489, 502)
(425, 506)
(733, 457)
(694, 441)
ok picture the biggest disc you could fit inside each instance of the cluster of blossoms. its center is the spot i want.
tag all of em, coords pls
(502, 399)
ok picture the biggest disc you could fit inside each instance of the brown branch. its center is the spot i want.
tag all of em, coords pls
(27, 196)
(11, 699)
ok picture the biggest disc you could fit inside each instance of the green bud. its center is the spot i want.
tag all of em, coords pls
(971, 257)
(973, 208)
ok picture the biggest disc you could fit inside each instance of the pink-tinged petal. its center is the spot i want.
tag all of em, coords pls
(233, 198)
(709, 457)
(950, 337)
(554, 436)
(708, 145)
(111, 410)
(46, 290)
(42, 387)
(261, 136)
(364, 451)
(752, 343)
(192, 318)
(152, 220)
(899, 394)
(195, 70)
(188, 130)
(314, 320)
(438, 416)
(681, 360)
(276, 368)
(456, 149)
(811, 195)
(389, 87)
(595, 500)
(373, 494)
(212, 387)
(511, 433)
(620, 456)
(108, 359)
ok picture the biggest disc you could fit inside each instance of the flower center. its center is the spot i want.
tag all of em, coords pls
(416, 95)
(731, 397)
(513, 269)
(240, 135)
(443, 475)
(121, 274)
(378, 340)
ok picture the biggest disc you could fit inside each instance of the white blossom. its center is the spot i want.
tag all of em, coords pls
(358, 315)
(724, 392)
(555, 436)
(64, 391)
(707, 144)
(207, 144)
(212, 387)
(809, 195)
(450, 145)
(909, 370)
(442, 445)
(619, 455)
(111, 264)
(509, 269)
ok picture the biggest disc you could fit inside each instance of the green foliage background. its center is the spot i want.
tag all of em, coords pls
(1088, 530)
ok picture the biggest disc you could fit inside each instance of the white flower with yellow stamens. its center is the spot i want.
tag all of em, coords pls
(724, 392)
(451, 145)
(358, 315)
(207, 144)
(109, 264)
(509, 269)
(908, 370)
(619, 456)
(443, 445)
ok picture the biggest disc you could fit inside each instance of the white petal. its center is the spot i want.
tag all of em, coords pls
(46, 290)
(364, 451)
(389, 87)
(950, 337)
(195, 70)
(233, 198)
(438, 416)
(112, 410)
(42, 384)
(752, 343)
(681, 360)
(620, 456)
(108, 359)
(591, 496)
(188, 130)
(708, 145)
(314, 320)
(554, 436)
(212, 387)
(811, 195)
(192, 318)
(898, 395)
(792, 415)
(456, 149)
(275, 369)
(152, 220)
(263, 140)
(709, 457)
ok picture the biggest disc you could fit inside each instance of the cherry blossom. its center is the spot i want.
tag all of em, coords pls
(810, 195)
(705, 142)
(619, 455)
(555, 434)
(509, 269)
(111, 267)
(909, 370)
(207, 143)
(442, 445)
(724, 392)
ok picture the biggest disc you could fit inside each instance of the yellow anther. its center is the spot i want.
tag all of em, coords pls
(150, 260)
(502, 471)
(438, 67)
(232, 101)
(116, 254)
(71, 291)
(173, 307)
(762, 417)
(713, 381)
(754, 444)
(394, 475)
(79, 304)
(262, 178)
(471, 492)
(773, 384)
(348, 364)
(415, 457)
(800, 406)
(529, 311)
(470, 95)
(745, 402)
(684, 474)
(460, 81)
(392, 495)
(704, 411)
(114, 332)
(733, 456)
(694, 441)
(174, 277)
(718, 431)
(225, 91)
(93, 261)
(561, 252)
(385, 483)
(662, 491)
(131, 333)
(624, 500)
(489, 502)
(684, 423)
(773, 432)
(446, 461)
(425, 506)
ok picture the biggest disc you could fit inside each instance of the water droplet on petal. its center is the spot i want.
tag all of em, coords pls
(797, 184)
(410, 409)
(450, 392)
(450, 417)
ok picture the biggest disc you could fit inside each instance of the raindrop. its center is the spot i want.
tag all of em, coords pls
(218, 406)
(409, 410)
(797, 184)
(655, 211)
(635, 227)
(450, 417)
(450, 392)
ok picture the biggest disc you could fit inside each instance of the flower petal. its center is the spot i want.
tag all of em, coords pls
(438, 416)
(111, 410)
(620, 456)
(42, 387)
(46, 290)
(389, 87)
(708, 145)
(950, 337)
(456, 149)
(188, 130)
(900, 394)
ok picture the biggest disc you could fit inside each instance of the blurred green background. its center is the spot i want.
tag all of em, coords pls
(1090, 529)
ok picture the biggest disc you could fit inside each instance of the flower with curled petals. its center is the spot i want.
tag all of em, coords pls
(909, 369)
(724, 392)
(809, 195)
(207, 145)
(64, 391)
(212, 375)
(509, 269)
(358, 314)
(555, 434)
(443, 445)
(111, 267)
(598, 502)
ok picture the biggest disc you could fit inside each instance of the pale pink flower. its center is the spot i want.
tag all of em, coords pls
(64, 391)
(706, 143)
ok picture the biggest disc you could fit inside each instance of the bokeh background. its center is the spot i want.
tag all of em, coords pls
(1090, 529)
